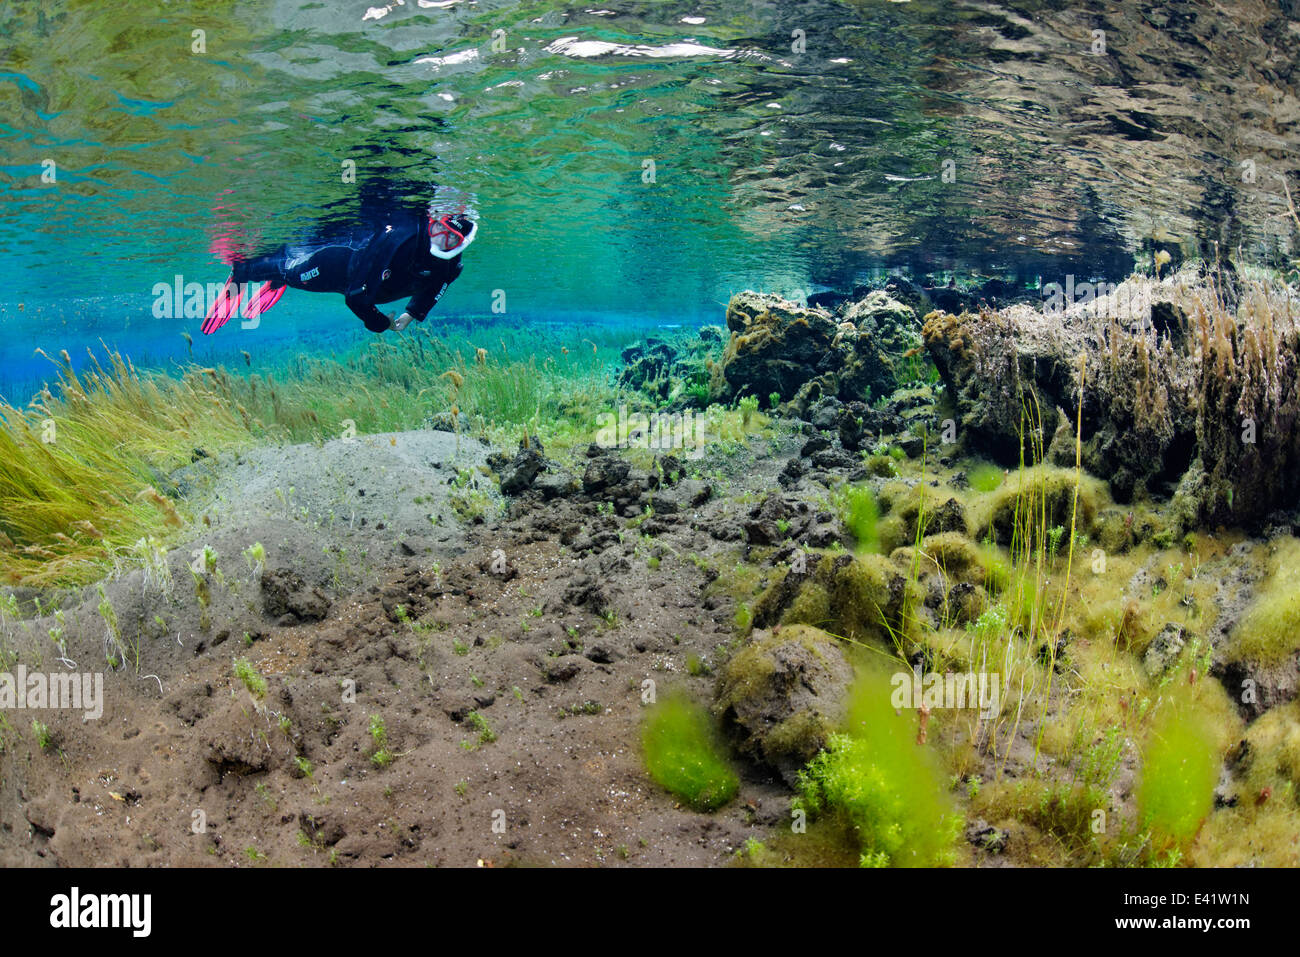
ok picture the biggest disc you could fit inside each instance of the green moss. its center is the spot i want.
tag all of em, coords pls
(1272, 755)
(933, 510)
(812, 606)
(887, 789)
(955, 555)
(1269, 633)
(1180, 768)
(1033, 501)
(858, 598)
(882, 466)
(859, 513)
(751, 675)
(868, 597)
(1051, 822)
(985, 477)
(683, 756)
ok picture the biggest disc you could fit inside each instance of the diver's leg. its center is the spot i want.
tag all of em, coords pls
(321, 268)
(268, 268)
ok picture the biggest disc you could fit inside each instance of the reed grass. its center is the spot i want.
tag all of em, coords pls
(84, 466)
(80, 465)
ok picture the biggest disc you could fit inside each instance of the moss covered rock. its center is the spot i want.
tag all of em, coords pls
(803, 354)
(866, 597)
(784, 694)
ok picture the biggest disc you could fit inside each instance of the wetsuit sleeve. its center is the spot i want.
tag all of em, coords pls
(428, 297)
(365, 310)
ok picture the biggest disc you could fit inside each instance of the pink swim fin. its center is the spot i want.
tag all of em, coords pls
(262, 300)
(221, 311)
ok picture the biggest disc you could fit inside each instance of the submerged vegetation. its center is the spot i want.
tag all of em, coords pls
(84, 466)
(885, 791)
(1142, 663)
(684, 756)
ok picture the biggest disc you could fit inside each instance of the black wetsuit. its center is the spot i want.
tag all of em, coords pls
(368, 265)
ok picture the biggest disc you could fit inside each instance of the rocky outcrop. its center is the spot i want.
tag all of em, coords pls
(675, 371)
(804, 354)
(1014, 377)
(1179, 394)
(290, 600)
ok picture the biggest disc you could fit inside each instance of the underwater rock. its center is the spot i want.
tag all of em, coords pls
(776, 345)
(286, 594)
(859, 597)
(949, 298)
(784, 694)
(810, 393)
(896, 287)
(1165, 648)
(604, 472)
(775, 519)
(586, 591)
(556, 484)
(686, 494)
(790, 475)
(522, 470)
(1014, 378)
(1178, 391)
(675, 371)
(808, 354)
(832, 459)
(887, 334)
(987, 837)
(646, 366)
(966, 601)
(1256, 689)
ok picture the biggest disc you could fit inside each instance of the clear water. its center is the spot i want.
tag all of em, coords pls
(776, 167)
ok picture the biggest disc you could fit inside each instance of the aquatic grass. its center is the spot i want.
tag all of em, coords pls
(500, 381)
(84, 467)
(80, 465)
(684, 756)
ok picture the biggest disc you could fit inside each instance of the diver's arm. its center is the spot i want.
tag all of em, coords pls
(424, 300)
(364, 309)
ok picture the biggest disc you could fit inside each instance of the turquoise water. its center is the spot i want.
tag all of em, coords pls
(796, 147)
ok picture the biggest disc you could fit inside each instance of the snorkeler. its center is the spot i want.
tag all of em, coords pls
(409, 254)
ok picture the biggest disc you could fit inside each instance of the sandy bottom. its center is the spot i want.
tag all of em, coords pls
(505, 659)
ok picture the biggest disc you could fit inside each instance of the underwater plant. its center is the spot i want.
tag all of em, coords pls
(382, 756)
(78, 466)
(1269, 632)
(1180, 768)
(113, 633)
(157, 573)
(683, 755)
(985, 477)
(255, 556)
(882, 786)
(860, 514)
(251, 679)
(748, 406)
